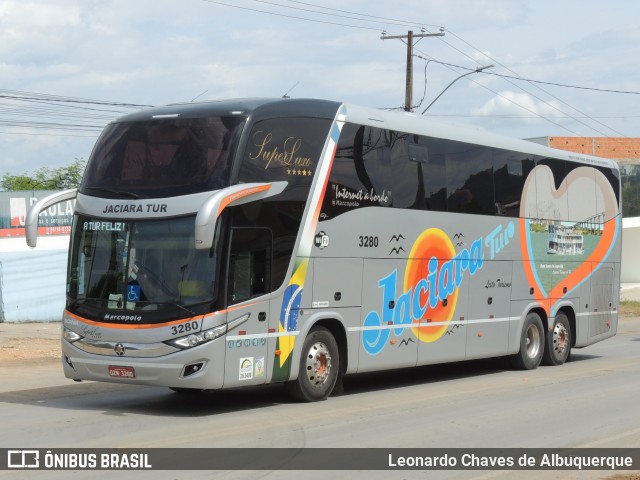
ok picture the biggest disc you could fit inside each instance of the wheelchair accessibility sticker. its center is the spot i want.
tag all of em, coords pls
(133, 293)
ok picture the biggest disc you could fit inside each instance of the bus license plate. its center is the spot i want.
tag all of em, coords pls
(122, 372)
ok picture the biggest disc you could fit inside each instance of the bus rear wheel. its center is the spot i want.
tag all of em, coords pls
(558, 341)
(319, 367)
(531, 344)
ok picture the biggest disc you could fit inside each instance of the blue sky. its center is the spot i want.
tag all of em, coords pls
(154, 52)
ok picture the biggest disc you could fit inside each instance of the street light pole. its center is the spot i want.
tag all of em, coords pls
(477, 70)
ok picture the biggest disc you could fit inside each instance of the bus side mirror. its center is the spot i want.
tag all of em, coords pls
(31, 222)
(234, 195)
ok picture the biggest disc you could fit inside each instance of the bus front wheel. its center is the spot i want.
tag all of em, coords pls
(558, 341)
(531, 344)
(319, 366)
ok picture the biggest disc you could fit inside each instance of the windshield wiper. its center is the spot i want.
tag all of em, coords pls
(81, 302)
(116, 192)
(188, 310)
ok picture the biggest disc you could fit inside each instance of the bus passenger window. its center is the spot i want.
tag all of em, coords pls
(510, 170)
(360, 174)
(469, 173)
(418, 173)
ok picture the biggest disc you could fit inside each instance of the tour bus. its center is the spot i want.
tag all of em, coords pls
(243, 242)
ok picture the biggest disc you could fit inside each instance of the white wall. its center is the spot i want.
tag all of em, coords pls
(32, 280)
(630, 250)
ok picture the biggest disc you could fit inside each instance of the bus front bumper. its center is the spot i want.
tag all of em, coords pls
(201, 367)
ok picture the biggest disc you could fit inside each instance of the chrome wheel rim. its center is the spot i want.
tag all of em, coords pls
(560, 339)
(532, 341)
(318, 364)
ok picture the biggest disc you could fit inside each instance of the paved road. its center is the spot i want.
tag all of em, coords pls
(590, 402)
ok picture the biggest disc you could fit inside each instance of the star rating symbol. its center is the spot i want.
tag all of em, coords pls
(299, 172)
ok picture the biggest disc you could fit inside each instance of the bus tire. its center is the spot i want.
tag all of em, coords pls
(319, 367)
(559, 340)
(531, 344)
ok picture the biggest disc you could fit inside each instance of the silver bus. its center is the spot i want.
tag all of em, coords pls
(243, 242)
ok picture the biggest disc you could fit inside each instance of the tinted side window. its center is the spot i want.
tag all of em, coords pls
(286, 149)
(469, 178)
(558, 167)
(510, 170)
(360, 172)
(417, 173)
(614, 179)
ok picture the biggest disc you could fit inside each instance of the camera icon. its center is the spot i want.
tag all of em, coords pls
(23, 459)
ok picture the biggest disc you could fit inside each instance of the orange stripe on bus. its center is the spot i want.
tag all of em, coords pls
(144, 326)
(241, 194)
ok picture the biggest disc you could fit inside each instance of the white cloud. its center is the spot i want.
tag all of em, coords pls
(517, 103)
(508, 109)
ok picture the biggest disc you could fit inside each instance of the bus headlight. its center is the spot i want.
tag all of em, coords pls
(69, 335)
(195, 339)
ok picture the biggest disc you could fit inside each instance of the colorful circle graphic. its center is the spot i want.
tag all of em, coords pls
(431, 244)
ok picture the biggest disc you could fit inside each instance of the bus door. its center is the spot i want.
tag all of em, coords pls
(249, 278)
(388, 340)
(602, 319)
(442, 330)
(488, 323)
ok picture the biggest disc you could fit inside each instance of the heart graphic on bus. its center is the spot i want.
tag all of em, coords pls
(565, 233)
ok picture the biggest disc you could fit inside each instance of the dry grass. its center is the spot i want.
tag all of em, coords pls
(629, 309)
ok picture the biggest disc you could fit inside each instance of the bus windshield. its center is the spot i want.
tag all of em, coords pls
(139, 266)
(163, 157)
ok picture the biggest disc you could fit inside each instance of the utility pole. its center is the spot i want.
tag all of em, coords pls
(408, 95)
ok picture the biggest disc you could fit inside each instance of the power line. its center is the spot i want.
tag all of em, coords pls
(13, 132)
(511, 101)
(29, 113)
(360, 17)
(386, 19)
(291, 16)
(20, 95)
(51, 125)
(350, 17)
(522, 106)
(603, 90)
(536, 86)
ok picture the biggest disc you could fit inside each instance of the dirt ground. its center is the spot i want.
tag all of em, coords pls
(21, 342)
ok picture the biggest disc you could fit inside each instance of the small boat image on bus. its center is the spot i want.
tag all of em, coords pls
(565, 241)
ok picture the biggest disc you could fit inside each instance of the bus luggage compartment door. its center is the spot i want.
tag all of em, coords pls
(488, 323)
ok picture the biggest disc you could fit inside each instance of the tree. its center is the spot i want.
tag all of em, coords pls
(46, 178)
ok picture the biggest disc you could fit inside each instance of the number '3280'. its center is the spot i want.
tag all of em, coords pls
(184, 328)
(367, 241)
